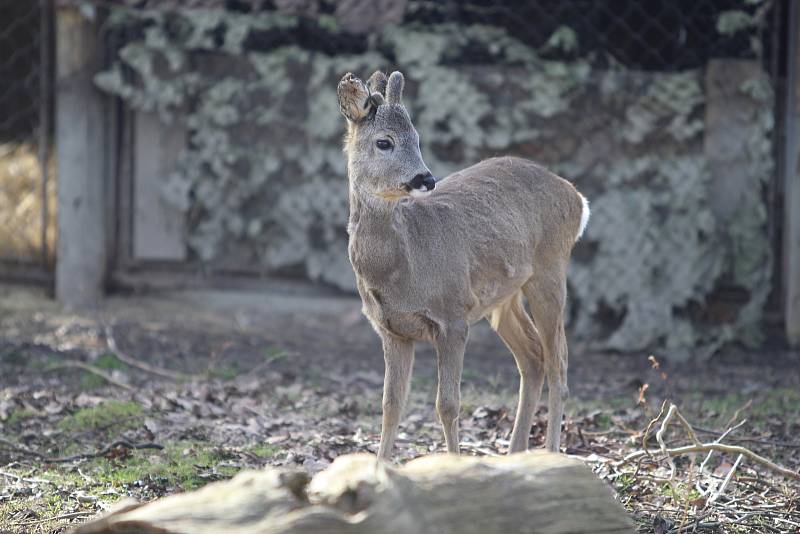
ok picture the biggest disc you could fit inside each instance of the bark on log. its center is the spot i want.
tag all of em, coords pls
(535, 492)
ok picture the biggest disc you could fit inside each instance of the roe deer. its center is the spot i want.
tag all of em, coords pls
(432, 258)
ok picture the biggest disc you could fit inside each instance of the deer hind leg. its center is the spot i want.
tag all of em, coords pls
(450, 345)
(399, 358)
(514, 326)
(547, 293)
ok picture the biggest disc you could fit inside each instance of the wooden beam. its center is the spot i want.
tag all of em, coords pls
(158, 228)
(80, 141)
(791, 175)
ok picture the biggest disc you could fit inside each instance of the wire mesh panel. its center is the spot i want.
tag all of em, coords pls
(644, 35)
(663, 114)
(27, 195)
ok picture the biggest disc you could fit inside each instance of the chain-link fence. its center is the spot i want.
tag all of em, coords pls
(642, 35)
(27, 194)
(663, 113)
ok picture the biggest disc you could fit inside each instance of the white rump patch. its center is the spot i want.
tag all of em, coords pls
(584, 216)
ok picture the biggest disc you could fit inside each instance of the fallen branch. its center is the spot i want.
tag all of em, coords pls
(104, 451)
(697, 446)
(95, 371)
(133, 362)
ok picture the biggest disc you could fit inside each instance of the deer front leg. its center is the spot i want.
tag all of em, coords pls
(398, 355)
(450, 352)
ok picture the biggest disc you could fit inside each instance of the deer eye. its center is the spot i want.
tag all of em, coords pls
(383, 144)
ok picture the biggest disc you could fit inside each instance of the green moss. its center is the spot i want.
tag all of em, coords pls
(113, 413)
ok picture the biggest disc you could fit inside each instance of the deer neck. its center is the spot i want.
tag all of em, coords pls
(370, 212)
(378, 239)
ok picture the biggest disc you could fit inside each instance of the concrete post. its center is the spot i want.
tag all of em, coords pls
(81, 259)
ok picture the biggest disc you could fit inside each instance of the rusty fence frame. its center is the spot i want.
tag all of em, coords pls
(39, 267)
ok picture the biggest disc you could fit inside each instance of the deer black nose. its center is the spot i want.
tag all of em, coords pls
(424, 182)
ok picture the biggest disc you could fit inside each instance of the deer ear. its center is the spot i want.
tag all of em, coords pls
(355, 100)
(394, 88)
(377, 83)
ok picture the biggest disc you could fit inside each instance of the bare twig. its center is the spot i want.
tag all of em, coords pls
(760, 441)
(133, 362)
(650, 426)
(710, 453)
(26, 479)
(54, 518)
(106, 450)
(740, 409)
(94, 370)
(725, 482)
(4, 443)
(663, 446)
(686, 425)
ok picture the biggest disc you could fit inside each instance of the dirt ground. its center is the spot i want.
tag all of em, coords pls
(156, 394)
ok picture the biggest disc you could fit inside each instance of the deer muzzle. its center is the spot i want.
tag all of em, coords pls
(421, 183)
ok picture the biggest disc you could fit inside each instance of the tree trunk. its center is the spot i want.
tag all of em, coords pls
(530, 492)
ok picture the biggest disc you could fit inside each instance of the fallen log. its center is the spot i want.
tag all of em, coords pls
(534, 492)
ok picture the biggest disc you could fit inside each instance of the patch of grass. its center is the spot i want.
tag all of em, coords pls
(616, 402)
(14, 357)
(496, 382)
(314, 377)
(112, 413)
(603, 421)
(625, 482)
(14, 513)
(223, 372)
(19, 415)
(273, 354)
(765, 404)
(680, 493)
(422, 383)
(42, 364)
(264, 450)
(109, 362)
(470, 375)
(106, 362)
(184, 464)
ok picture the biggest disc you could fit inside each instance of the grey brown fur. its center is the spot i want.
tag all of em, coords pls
(428, 267)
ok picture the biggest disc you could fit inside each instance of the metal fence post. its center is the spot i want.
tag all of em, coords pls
(791, 174)
(44, 117)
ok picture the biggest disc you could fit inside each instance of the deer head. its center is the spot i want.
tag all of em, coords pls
(382, 144)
